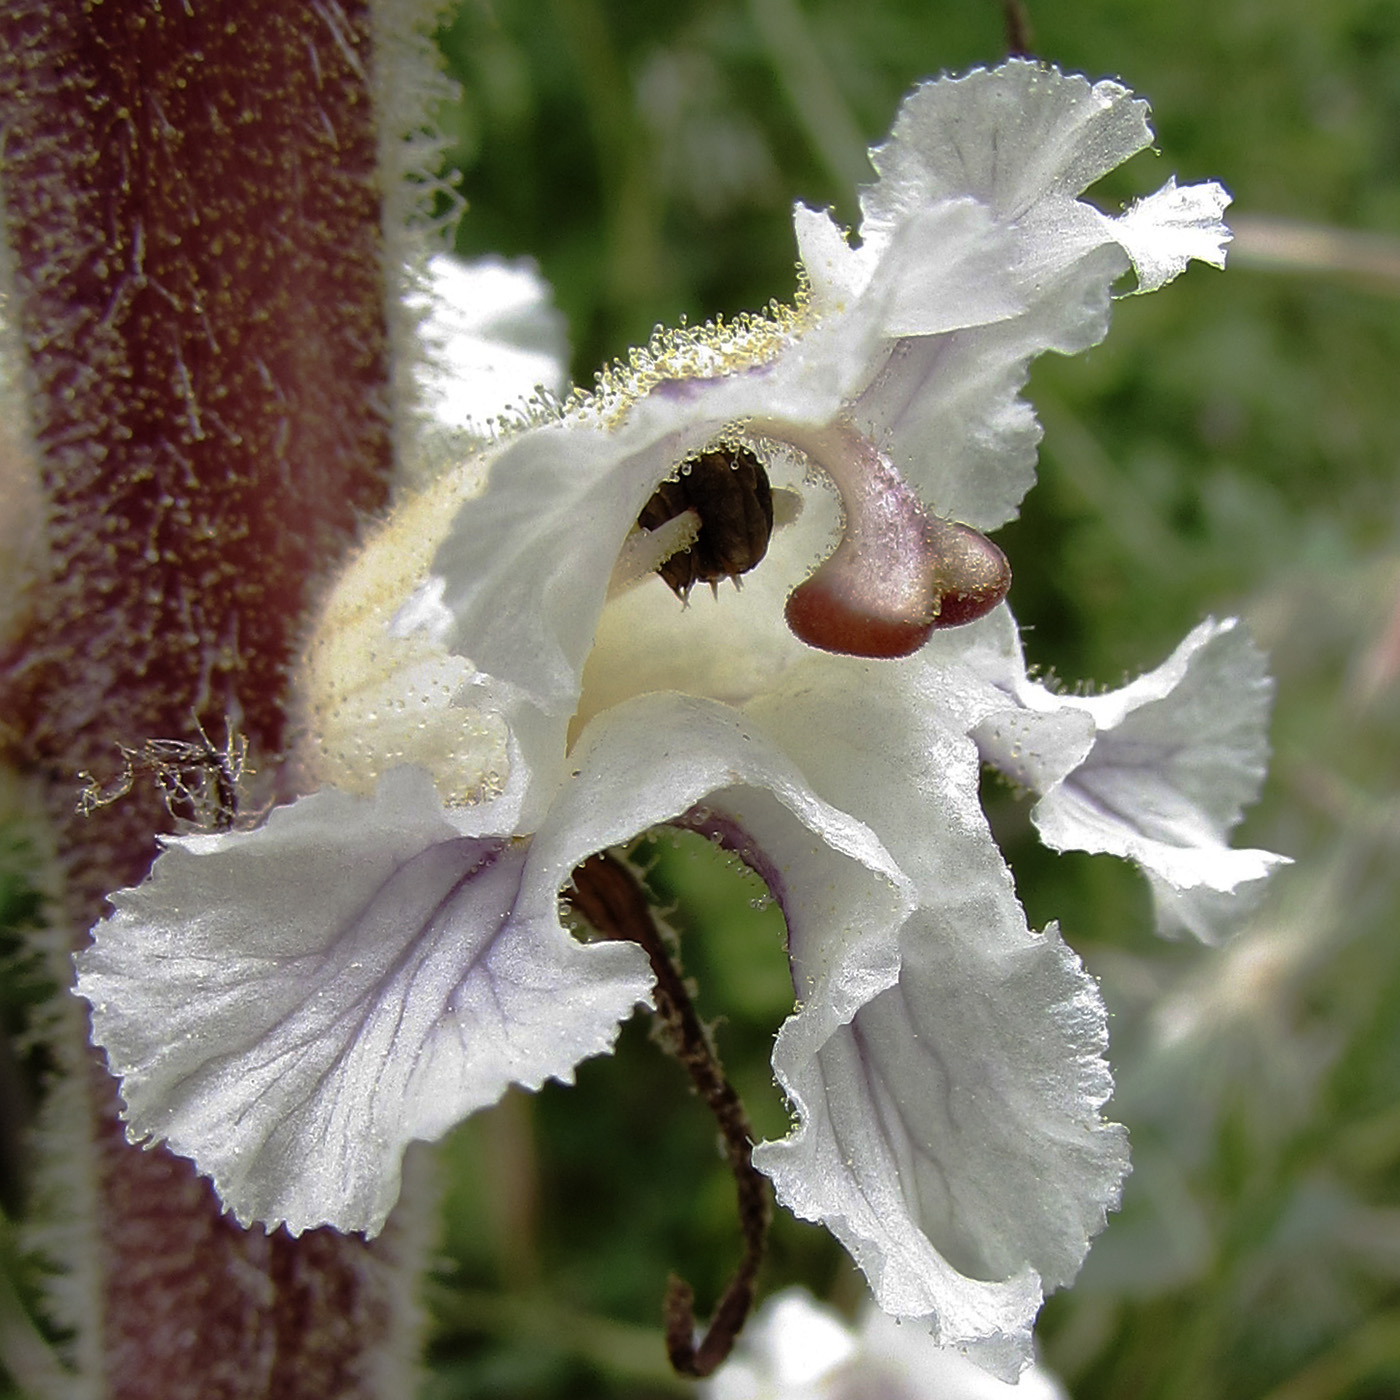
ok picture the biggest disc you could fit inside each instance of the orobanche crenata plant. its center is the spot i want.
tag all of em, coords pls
(511, 677)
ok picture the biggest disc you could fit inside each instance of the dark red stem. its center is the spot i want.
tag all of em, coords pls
(193, 214)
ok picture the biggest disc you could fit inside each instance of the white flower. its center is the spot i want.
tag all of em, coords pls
(290, 1006)
(798, 1349)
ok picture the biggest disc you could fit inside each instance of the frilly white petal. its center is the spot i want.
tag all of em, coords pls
(1010, 137)
(1203, 912)
(948, 1128)
(291, 1006)
(1158, 772)
(493, 339)
(843, 896)
(1164, 231)
(943, 268)
(526, 564)
(836, 272)
(1020, 142)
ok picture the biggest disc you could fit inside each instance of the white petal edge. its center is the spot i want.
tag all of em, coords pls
(949, 1131)
(1161, 778)
(1166, 230)
(1023, 141)
(291, 1006)
(1011, 137)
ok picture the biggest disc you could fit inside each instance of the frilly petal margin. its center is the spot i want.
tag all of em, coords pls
(1160, 774)
(1012, 137)
(291, 1006)
(949, 1128)
(1021, 142)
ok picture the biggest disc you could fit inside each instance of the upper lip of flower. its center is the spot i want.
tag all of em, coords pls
(977, 254)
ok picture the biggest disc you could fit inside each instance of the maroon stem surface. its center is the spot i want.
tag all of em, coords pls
(193, 213)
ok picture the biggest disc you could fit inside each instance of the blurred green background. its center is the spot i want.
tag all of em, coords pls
(1232, 448)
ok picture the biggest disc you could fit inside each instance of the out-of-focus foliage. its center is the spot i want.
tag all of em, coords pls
(1233, 447)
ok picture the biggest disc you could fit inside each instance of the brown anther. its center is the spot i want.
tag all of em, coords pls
(728, 489)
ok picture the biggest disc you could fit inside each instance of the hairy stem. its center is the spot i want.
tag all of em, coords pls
(192, 212)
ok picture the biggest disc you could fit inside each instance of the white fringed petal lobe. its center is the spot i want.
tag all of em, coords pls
(1158, 772)
(291, 1006)
(949, 1128)
(1164, 231)
(1016, 138)
(1021, 142)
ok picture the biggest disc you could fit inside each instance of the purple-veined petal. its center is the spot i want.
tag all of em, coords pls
(291, 1006)
(665, 755)
(1160, 774)
(949, 1131)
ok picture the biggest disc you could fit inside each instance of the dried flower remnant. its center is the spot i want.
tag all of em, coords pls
(198, 781)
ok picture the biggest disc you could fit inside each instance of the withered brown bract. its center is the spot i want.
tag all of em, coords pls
(728, 489)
